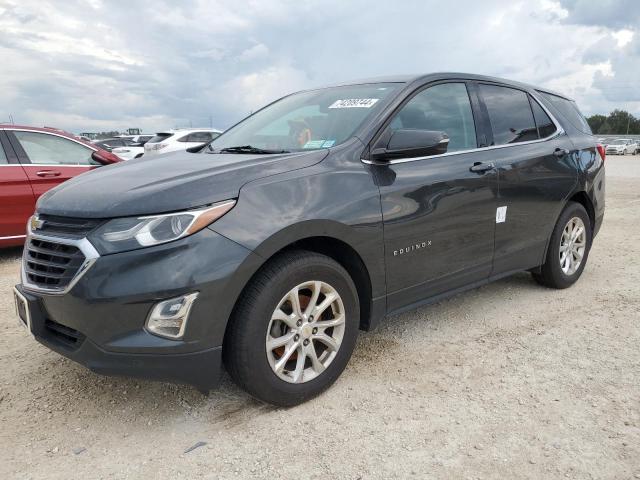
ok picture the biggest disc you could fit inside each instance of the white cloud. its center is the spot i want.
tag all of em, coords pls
(162, 63)
(251, 91)
(257, 51)
(554, 8)
(623, 37)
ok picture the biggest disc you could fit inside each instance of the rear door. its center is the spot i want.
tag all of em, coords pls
(17, 201)
(49, 159)
(535, 161)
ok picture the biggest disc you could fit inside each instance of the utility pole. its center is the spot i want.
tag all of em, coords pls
(628, 121)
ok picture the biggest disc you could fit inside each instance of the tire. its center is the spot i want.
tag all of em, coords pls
(552, 274)
(257, 320)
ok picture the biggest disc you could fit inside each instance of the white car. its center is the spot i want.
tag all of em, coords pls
(179, 139)
(622, 146)
(132, 151)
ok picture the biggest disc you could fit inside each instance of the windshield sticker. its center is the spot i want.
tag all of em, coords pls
(328, 143)
(354, 103)
(314, 144)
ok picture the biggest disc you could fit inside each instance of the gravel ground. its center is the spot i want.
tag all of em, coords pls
(507, 381)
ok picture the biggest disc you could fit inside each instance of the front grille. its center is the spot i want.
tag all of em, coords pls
(51, 265)
(64, 335)
(67, 227)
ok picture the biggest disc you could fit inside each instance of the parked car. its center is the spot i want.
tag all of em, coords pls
(619, 146)
(180, 139)
(315, 217)
(109, 144)
(33, 160)
(135, 150)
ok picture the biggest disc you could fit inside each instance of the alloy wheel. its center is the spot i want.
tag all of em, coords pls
(305, 332)
(573, 244)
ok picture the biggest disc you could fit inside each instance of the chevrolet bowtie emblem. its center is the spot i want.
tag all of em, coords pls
(36, 223)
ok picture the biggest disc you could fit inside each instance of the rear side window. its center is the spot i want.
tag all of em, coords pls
(509, 113)
(160, 137)
(569, 110)
(443, 108)
(545, 125)
(45, 149)
(3, 157)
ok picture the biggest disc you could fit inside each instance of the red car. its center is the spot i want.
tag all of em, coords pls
(33, 160)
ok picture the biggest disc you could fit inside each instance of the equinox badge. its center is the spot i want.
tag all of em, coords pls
(411, 248)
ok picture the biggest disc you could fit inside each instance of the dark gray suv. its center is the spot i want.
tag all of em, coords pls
(317, 216)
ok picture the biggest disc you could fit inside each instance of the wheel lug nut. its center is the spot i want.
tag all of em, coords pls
(311, 318)
(297, 337)
(306, 342)
(299, 323)
(315, 330)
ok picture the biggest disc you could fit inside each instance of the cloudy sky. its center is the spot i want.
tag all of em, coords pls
(97, 65)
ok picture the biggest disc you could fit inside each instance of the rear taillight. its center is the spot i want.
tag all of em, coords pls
(601, 151)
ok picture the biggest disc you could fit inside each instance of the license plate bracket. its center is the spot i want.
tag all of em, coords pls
(22, 309)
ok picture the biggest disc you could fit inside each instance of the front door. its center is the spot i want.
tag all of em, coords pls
(438, 211)
(50, 159)
(16, 197)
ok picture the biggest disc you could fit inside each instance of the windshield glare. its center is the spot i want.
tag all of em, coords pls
(308, 120)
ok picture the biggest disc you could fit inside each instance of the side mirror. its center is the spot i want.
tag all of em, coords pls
(103, 157)
(407, 143)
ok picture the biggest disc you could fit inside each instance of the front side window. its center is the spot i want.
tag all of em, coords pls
(45, 149)
(509, 113)
(444, 108)
(308, 120)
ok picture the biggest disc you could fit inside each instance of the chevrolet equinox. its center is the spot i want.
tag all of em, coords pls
(268, 249)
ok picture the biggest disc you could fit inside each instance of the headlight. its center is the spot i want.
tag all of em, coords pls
(121, 234)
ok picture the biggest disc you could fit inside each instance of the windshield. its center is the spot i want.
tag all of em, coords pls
(619, 142)
(307, 120)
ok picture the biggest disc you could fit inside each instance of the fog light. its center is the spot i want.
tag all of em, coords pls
(169, 318)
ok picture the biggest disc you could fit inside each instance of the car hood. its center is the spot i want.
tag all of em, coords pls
(171, 182)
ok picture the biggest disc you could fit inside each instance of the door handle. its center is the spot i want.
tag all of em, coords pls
(48, 173)
(480, 167)
(560, 152)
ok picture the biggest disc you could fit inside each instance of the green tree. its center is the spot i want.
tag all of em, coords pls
(618, 122)
(596, 122)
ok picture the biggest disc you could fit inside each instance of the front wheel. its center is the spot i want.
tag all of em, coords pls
(568, 248)
(294, 328)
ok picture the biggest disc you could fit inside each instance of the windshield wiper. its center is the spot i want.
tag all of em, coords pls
(250, 149)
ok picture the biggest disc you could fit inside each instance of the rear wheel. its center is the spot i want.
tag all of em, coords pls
(568, 248)
(294, 328)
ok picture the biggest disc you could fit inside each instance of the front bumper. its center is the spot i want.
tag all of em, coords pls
(99, 323)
